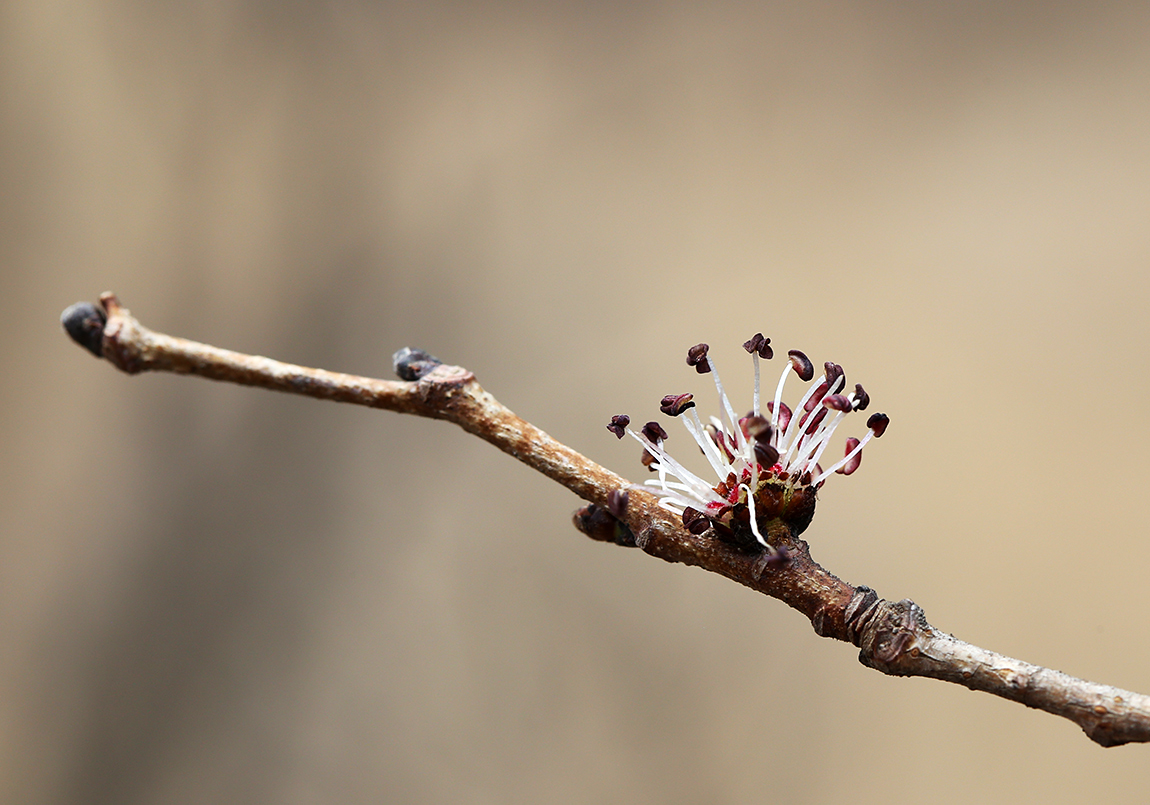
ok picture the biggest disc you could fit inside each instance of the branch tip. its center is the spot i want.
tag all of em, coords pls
(84, 323)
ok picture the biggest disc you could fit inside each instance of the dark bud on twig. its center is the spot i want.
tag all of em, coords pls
(697, 357)
(412, 364)
(802, 365)
(760, 345)
(84, 323)
(619, 425)
(599, 524)
(654, 432)
(675, 404)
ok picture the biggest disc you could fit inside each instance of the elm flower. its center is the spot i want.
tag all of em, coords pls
(767, 462)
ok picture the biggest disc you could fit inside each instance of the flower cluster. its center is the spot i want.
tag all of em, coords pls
(767, 462)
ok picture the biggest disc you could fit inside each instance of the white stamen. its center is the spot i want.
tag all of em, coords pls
(754, 520)
(711, 450)
(798, 414)
(732, 425)
(824, 438)
(779, 399)
(755, 359)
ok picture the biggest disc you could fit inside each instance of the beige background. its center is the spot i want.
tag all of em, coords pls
(213, 594)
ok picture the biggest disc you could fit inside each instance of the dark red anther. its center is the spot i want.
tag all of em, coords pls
(675, 404)
(853, 464)
(837, 402)
(617, 502)
(878, 423)
(817, 397)
(697, 357)
(757, 428)
(760, 345)
(811, 423)
(654, 432)
(862, 399)
(695, 521)
(784, 413)
(834, 372)
(721, 440)
(648, 461)
(802, 365)
(766, 455)
(619, 425)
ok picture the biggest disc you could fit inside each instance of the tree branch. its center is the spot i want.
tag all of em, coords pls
(893, 637)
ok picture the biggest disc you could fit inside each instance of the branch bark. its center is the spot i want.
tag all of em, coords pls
(893, 637)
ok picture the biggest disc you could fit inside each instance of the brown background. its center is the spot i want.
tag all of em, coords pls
(213, 594)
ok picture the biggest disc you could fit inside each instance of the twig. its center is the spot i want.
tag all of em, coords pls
(893, 637)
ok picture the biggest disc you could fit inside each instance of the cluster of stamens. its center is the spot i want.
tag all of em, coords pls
(767, 462)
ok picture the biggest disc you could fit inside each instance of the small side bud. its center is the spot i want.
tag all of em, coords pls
(412, 364)
(84, 323)
(599, 524)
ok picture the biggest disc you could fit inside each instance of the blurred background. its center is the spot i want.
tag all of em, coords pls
(219, 594)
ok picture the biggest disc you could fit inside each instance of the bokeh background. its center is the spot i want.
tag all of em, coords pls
(217, 594)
